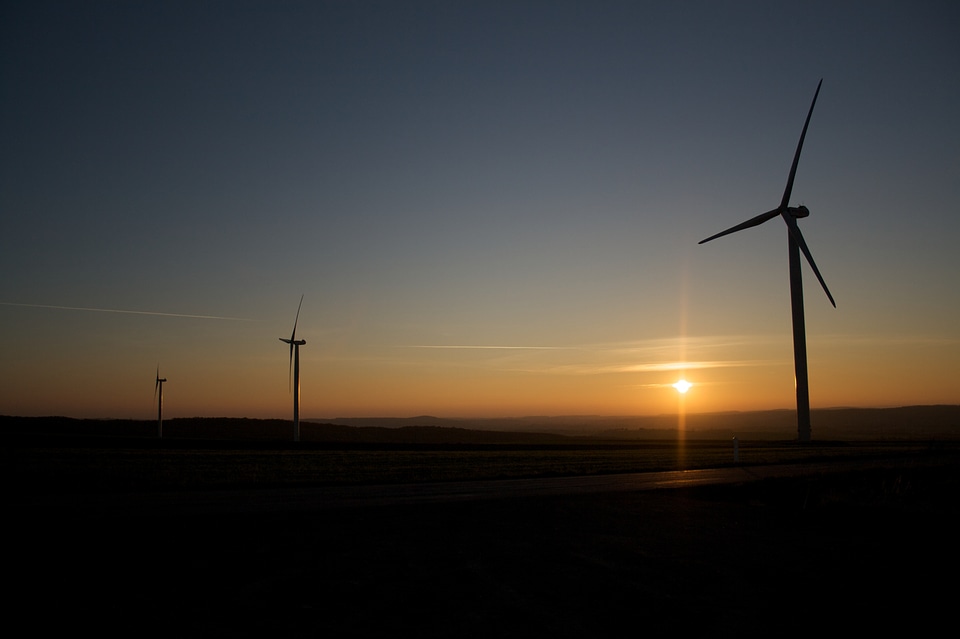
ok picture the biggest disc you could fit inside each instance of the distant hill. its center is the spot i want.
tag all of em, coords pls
(905, 423)
(262, 431)
(834, 423)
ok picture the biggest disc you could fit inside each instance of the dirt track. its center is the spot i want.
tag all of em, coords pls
(868, 551)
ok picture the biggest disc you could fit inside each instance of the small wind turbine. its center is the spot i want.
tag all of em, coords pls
(158, 395)
(295, 345)
(796, 244)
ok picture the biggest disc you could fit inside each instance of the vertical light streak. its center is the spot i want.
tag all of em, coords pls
(682, 357)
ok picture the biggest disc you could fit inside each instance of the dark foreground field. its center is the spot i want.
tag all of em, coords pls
(860, 551)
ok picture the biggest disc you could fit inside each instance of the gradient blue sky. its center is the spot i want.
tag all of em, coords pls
(491, 208)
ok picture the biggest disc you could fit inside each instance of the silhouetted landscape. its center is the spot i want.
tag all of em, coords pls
(863, 543)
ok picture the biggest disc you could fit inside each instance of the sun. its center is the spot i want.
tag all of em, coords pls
(682, 386)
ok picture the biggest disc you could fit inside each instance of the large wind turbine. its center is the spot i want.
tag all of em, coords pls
(158, 395)
(796, 244)
(295, 345)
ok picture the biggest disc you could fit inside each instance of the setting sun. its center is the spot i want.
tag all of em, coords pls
(682, 386)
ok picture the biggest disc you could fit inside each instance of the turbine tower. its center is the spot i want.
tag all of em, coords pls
(295, 345)
(795, 245)
(158, 395)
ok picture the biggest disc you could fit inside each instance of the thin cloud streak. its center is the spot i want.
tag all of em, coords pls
(688, 366)
(649, 356)
(660, 367)
(666, 344)
(128, 312)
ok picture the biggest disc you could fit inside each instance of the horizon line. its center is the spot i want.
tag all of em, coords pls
(506, 417)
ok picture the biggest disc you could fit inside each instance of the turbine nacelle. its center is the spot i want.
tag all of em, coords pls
(798, 211)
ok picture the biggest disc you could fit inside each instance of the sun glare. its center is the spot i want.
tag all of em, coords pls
(682, 386)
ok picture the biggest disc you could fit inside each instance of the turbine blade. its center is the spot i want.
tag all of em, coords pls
(796, 158)
(760, 219)
(798, 238)
(293, 335)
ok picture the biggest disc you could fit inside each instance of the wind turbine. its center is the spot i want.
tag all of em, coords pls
(796, 244)
(158, 395)
(295, 345)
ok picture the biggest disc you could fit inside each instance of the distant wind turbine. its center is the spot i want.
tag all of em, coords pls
(796, 244)
(158, 395)
(295, 345)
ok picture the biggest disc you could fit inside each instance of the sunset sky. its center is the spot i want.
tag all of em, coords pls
(490, 208)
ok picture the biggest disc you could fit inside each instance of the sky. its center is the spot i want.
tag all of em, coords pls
(489, 208)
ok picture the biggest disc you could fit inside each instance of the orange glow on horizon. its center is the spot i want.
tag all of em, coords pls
(630, 378)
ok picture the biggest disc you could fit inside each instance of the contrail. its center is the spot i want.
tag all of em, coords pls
(502, 348)
(126, 312)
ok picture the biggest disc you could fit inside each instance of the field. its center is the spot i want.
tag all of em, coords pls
(132, 465)
(856, 552)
